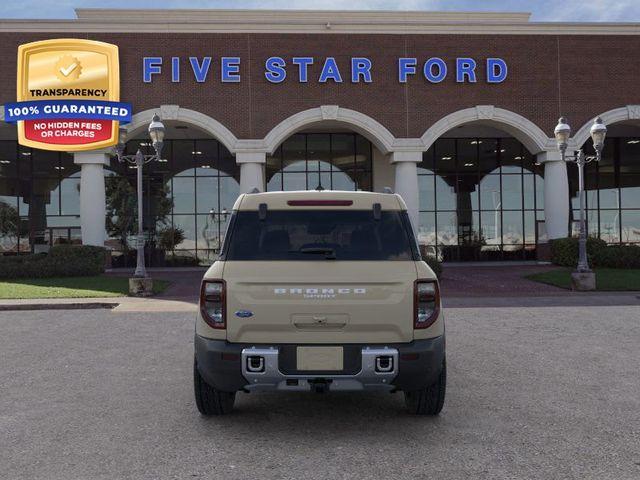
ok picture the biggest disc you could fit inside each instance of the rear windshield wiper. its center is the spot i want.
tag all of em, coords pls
(329, 253)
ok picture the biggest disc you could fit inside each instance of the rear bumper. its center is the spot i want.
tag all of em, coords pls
(225, 366)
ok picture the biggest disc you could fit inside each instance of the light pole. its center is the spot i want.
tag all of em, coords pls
(584, 278)
(156, 133)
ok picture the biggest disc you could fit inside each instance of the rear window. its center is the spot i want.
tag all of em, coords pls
(319, 235)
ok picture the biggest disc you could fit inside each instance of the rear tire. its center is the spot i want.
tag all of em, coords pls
(429, 400)
(209, 400)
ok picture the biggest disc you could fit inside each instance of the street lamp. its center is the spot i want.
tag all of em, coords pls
(598, 132)
(156, 133)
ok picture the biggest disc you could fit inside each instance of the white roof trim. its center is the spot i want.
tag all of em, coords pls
(311, 21)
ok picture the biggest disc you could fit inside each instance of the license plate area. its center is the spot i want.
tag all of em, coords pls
(319, 359)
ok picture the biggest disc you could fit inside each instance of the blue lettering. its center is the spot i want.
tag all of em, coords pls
(360, 67)
(175, 69)
(330, 71)
(465, 67)
(200, 71)
(230, 70)
(303, 64)
(275, 69)
(496, 70)
(428, 70)
(406, 66)
(151, 66)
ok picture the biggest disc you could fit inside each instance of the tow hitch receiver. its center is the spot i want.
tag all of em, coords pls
(320, 385)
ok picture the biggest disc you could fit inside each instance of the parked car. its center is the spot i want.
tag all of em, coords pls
(320, 291)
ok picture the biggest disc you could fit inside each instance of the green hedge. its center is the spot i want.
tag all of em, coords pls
(564, 252)
(61, 261)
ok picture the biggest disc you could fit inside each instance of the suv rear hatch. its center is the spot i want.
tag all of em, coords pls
(320, 276)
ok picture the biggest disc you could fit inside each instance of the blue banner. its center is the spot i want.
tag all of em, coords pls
(67, 109)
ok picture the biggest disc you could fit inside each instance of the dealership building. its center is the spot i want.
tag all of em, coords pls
(454, 111)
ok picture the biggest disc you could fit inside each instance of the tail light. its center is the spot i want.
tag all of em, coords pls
(426, 303)
(213, 303)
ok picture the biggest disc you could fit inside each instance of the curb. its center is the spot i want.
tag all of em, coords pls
(57, 306)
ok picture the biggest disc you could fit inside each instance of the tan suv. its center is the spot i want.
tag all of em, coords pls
(319, 291)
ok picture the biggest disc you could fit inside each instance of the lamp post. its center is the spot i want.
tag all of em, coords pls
(156, 133)
(583, 278)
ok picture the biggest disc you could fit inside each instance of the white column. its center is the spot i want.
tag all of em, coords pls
(251, 170)
(556, 195)
(406, 166)
(93, 208)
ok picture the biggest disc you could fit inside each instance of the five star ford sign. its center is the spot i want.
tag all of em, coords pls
(68, 95)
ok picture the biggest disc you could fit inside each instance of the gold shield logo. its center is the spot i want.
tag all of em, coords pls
(69, 74)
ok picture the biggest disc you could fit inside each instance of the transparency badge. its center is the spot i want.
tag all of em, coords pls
(68, 95)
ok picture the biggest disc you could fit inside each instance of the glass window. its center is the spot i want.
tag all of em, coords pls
(8, 159)
(447, 228)
(512, 192)
(70, 196)
(426, 166)
(445, 156)
(319, 152)
(512, 228)
(511, 155)
(427, 228)
(426, 188)
(488, 156)
(183, 190)
(207, 195)
(630, 190)
(45, 163)
(445, 194)
(631, 226)
(339, 161)
(609, 225)
(629, 155)
(188, 224)
(490, 198)
(467, 154)
(294, 154)
(182, 159)
(320, 235)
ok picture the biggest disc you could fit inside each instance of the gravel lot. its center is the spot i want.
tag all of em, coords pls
(534, 392)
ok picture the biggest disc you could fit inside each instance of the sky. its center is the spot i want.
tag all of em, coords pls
(542, 10)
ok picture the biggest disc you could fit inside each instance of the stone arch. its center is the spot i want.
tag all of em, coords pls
(382, 138)
(141, 120)
(527, 132)
(622, 114)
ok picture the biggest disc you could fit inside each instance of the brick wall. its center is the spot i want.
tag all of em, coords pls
(578, 76)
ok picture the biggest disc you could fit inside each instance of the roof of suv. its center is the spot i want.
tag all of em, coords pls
(320, 200)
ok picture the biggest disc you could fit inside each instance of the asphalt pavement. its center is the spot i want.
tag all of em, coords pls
(533, 392)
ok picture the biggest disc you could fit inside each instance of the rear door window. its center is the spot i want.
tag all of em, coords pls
(319, 235)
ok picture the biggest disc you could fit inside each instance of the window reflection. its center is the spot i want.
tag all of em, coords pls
(306, 161)
(479, 199)
(612, 191)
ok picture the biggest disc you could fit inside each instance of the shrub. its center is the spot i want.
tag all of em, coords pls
(564, 252)
(170, 237)
(182, 261)
(61, 261)
(618, 256)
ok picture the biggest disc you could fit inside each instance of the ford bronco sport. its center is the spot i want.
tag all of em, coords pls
(319, 291)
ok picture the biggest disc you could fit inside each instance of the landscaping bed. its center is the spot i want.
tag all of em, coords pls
(71, 287)
(607, 279)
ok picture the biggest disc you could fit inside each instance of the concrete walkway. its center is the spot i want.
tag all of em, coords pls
(462, 286)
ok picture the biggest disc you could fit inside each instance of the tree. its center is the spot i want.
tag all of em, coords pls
(9, 221)
(122, 208)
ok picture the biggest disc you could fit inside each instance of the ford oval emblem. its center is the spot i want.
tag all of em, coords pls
(244, 313)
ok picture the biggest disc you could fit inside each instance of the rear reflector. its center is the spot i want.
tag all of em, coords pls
(319, 203)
